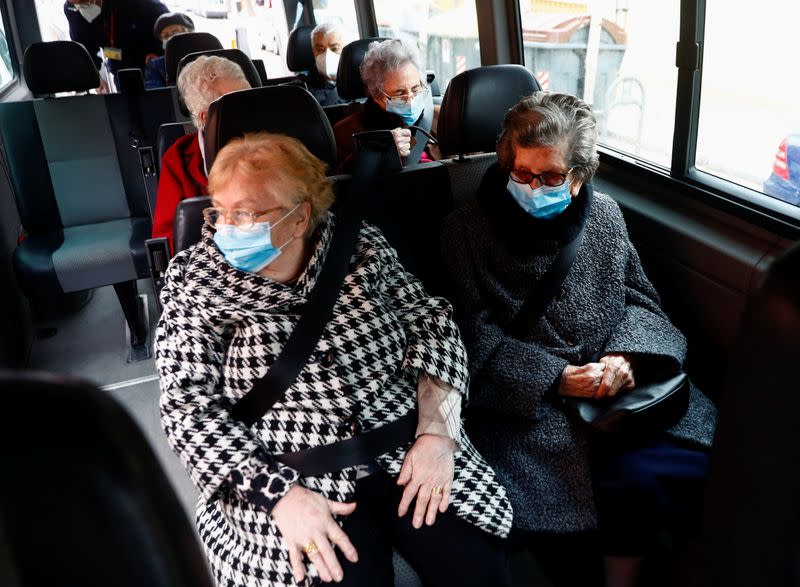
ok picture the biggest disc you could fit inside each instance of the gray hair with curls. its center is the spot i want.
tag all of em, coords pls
(383, 57)
(198, 86)
(544, 120)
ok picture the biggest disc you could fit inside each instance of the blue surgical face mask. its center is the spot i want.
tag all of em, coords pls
(543, 202)
(410, 111)
(249, 249)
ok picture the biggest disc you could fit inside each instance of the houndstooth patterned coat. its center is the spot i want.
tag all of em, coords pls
(222, 328)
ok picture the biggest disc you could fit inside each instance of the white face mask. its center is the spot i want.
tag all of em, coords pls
(328, 64)
(89, 11)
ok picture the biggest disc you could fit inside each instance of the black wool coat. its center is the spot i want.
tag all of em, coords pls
(496, 254)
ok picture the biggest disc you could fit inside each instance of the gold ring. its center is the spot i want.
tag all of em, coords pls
(437, 490)
(310, 548)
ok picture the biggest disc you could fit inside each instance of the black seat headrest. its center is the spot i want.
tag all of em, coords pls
(235, 55)
(299, 55)
(348, 77)
(288, 110)
(475, 105)
(179, 46)
(59, 66)
(130, 81)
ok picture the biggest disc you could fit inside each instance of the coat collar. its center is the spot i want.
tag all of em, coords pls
(222, 285)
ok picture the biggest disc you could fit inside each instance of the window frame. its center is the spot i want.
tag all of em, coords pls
(13, 83)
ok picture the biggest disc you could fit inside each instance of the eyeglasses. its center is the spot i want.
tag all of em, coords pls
(400, 100)
(240, 217)
(549, 178)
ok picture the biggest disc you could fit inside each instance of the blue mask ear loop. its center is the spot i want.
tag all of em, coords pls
(284, 217)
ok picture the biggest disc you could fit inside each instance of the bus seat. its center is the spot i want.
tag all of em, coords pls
(235, 55)
(348, 76)
(77, 168)
(752, 533)
(59, 66)
(288, 110)
(113, 517)
(181, 45)
(131, 81)
(474, 107)
(299, 55)
(169, 133)
(261, 69)
(189, 222)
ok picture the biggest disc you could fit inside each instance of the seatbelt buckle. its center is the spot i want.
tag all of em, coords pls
(147, 163)
(158, 256)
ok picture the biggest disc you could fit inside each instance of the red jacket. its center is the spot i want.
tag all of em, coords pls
(182, 176)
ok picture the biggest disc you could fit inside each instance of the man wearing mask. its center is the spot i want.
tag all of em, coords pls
(121, 29)
(167, 26)
(326, 44)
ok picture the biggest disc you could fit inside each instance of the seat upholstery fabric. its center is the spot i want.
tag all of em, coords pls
(59, 66)
(288, 110)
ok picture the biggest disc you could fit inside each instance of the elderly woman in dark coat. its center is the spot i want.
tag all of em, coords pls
(389, 350)
(603, 333)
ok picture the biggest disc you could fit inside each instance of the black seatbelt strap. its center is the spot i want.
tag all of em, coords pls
(425, 123)
(534, 306)
(318, 309)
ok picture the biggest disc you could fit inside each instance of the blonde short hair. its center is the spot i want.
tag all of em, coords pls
(197, 82)
(276, 160)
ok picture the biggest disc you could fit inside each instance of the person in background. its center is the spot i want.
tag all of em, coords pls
(167, 26)
(183, 168)
(121, 29)
(326, 44)
(392, 73)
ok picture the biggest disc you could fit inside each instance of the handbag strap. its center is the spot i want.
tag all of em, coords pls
(534, 306)
(268, 390)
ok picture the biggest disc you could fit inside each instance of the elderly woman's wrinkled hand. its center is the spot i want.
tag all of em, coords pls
(306, 523)
(581, 381)
(427, 474)
(617, 377)
(402, 140)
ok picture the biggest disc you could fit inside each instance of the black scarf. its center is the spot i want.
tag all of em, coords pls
(376, 118)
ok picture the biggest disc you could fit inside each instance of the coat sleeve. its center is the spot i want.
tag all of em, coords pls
(220, 453)
(434, 344)
(509, 375)
(645, 331)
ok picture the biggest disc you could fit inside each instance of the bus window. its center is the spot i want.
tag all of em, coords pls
(340, 12)
(749, 127)
(619, 56)
(445, 32)
(6, 66)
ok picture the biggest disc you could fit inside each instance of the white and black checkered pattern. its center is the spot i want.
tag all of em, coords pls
(222, 328)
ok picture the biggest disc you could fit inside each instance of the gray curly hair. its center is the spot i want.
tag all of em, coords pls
(197, 83)
(383, 57)
(544, 120)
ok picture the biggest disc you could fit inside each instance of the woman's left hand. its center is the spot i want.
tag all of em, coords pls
(618, 376)
(427, 474)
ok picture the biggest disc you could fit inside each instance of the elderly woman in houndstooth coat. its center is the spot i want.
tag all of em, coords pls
(230, 303)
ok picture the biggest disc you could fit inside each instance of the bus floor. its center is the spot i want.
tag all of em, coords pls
(91, 344)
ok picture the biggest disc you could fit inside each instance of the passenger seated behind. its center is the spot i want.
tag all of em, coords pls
(167, 26)
(326, 44)
(230, 303)
(183, 168)
(602, 334)
(393, 75)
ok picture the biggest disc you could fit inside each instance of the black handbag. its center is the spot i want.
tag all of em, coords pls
(650, 407)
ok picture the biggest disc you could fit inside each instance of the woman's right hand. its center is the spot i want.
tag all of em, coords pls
(581, 381)
(402, 140)
(305, 517)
